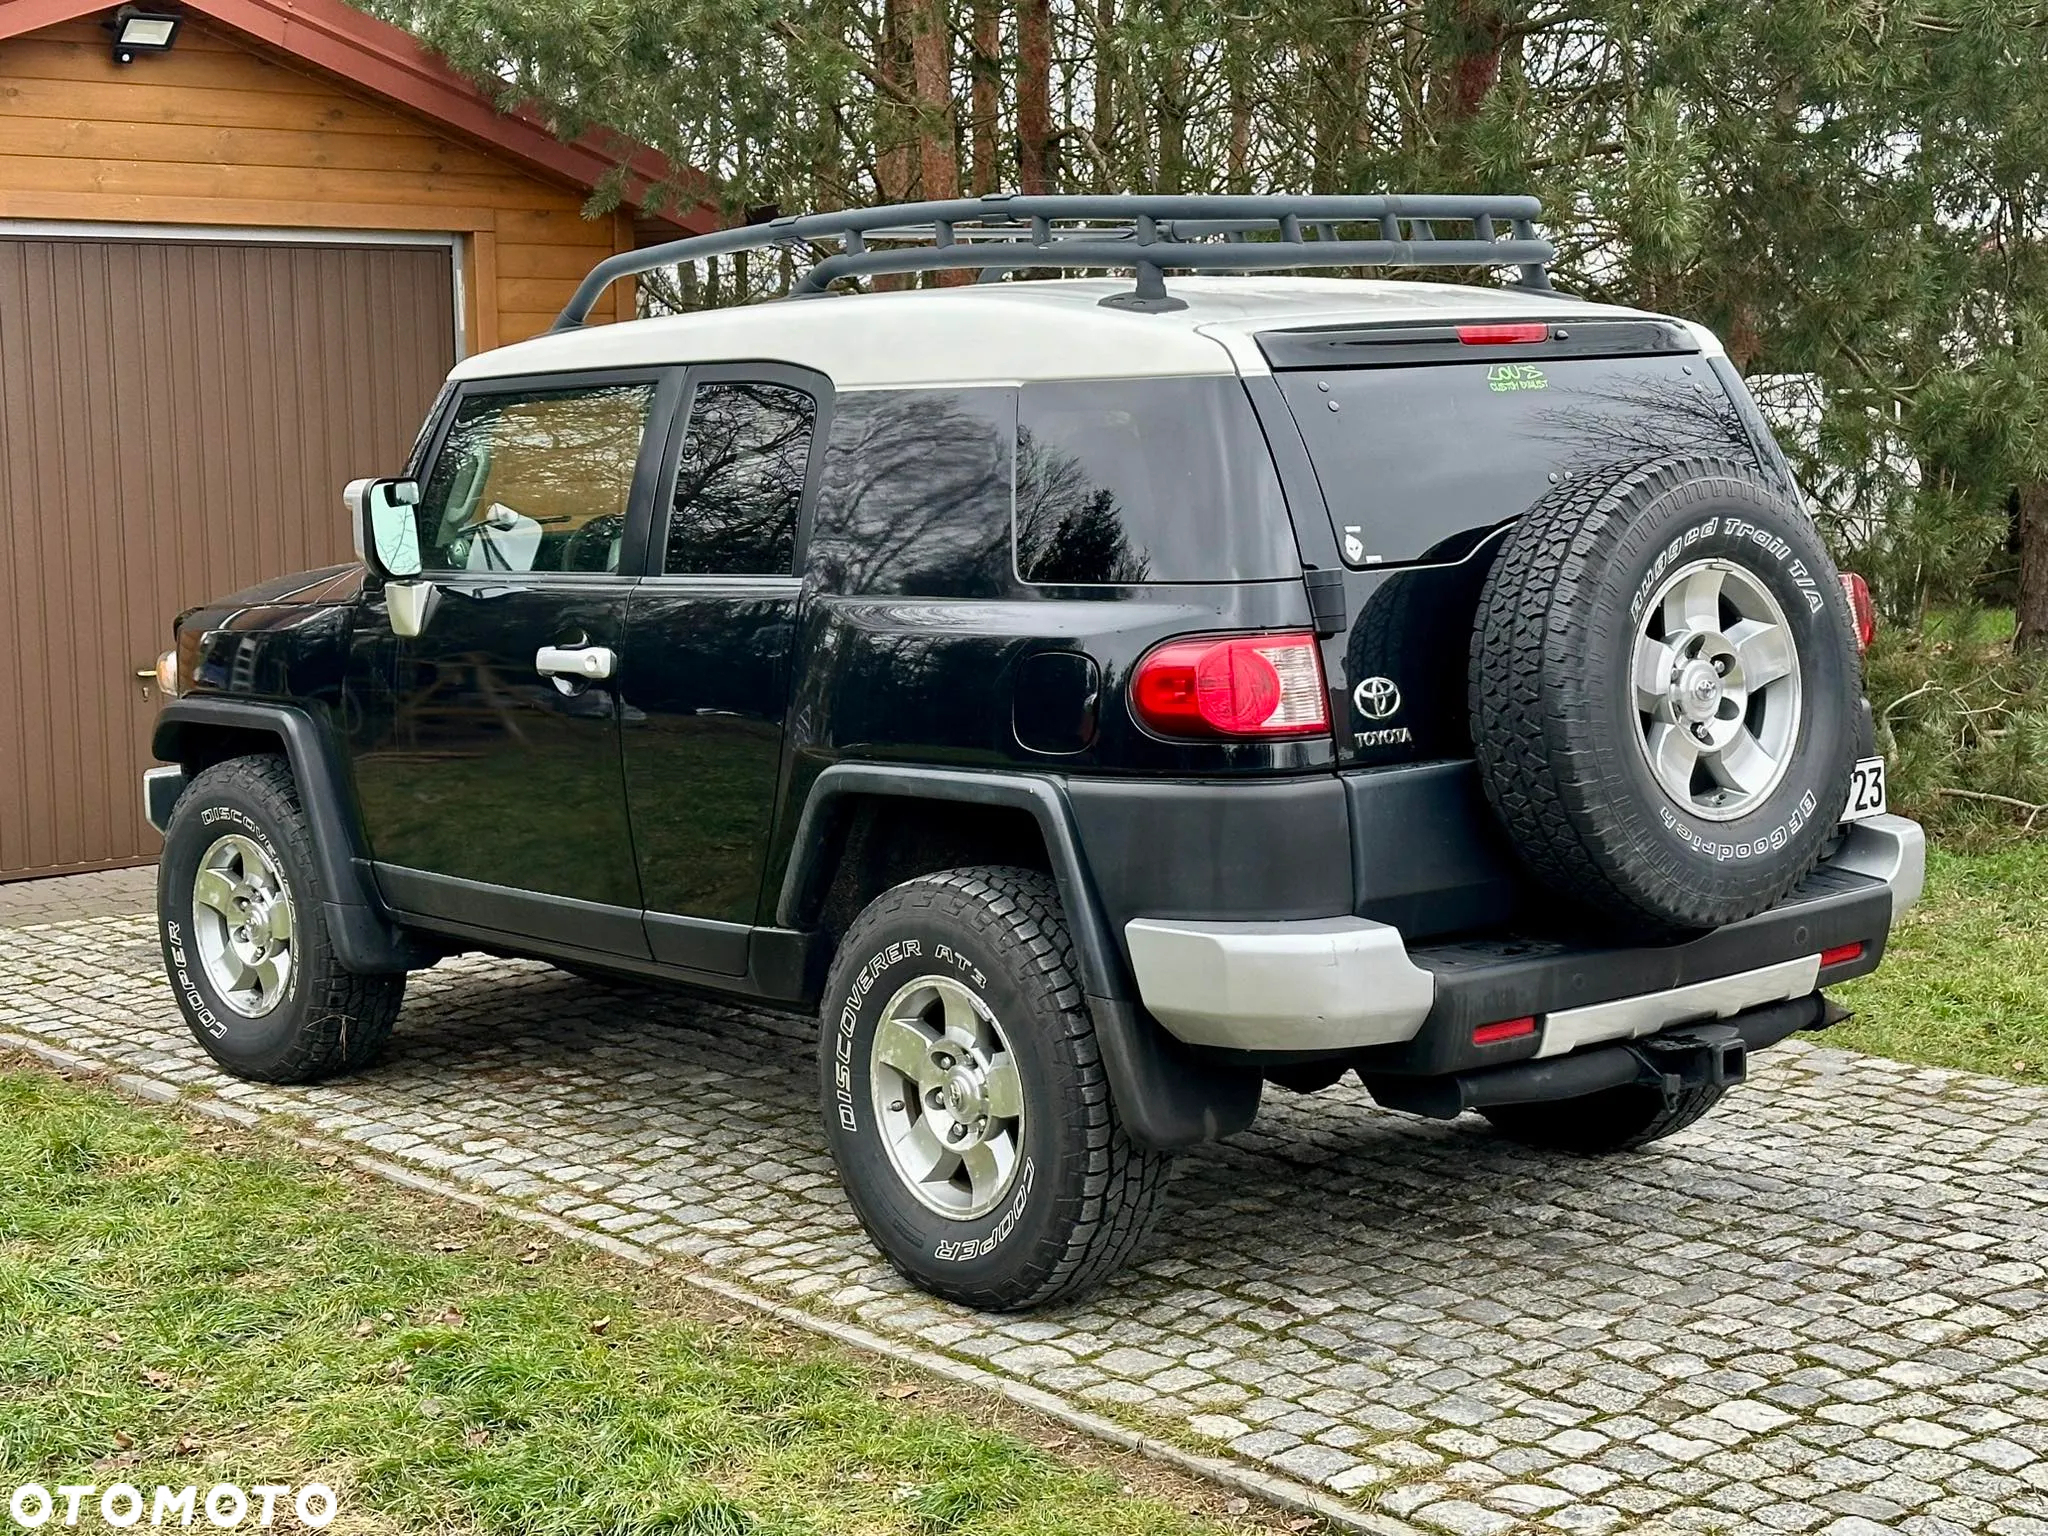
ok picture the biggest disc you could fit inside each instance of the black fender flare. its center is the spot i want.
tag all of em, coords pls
(364, 937)
(1170, 1098)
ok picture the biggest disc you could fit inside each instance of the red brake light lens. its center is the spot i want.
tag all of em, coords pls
(1237, 685)
(1502, 335)
(1841, 954)
(1857, 590)
(1506, 1029)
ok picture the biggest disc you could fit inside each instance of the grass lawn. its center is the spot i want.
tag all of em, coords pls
(181, 1303)
(1965, 981)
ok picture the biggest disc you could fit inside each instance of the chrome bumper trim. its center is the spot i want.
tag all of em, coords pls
(1320, 984)
(1645, 1014)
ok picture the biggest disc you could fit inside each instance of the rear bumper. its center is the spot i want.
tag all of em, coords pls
(1710, 1055)
(1348, 986)
(1317, 985)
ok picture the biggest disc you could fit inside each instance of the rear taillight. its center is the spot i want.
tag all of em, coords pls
(1864, 611)
(1237, 685)
(1502, 335)
(1841, 954)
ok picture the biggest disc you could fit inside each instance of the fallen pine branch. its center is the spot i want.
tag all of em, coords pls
(2028, 806)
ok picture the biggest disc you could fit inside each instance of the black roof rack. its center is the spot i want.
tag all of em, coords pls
(1006, 232)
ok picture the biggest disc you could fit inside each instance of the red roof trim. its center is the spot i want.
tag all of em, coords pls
(392, 63)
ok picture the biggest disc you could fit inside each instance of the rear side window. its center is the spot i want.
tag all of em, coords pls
(916, 493)
(740, 481)
(1414, 461)
(1146, 480)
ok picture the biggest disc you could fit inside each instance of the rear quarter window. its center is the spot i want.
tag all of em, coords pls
(1415, 460)
(1146, 480)
(916, 493)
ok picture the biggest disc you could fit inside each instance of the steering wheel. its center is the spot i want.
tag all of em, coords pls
(594, 546)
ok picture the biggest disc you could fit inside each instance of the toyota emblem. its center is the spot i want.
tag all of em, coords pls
(1376, 698)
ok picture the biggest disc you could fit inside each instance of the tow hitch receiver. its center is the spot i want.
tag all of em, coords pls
(1691, 1056)
(1705, 1056)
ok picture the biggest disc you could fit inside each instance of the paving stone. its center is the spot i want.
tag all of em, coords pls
(1462, 1518)
(102, 893)
(1527, 1498)
(1750, 1415)
(1789, 1516)
(1823, 1309)
(1314, 1463)
(1587, 1519)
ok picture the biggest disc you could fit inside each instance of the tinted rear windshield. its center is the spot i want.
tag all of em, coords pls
(1415, 460)
(1132, 480)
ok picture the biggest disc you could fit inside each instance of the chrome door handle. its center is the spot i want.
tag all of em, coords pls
(585, 661)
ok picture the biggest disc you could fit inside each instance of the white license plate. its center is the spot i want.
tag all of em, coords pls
(1866, 790)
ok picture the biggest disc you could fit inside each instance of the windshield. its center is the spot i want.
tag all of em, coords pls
(1416, 462)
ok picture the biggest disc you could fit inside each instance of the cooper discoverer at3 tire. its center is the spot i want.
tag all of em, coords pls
(1664, 693)
(245, 940)
(965, 1099)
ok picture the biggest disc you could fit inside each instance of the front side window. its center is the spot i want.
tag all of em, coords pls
(538, 480)
(740, 482)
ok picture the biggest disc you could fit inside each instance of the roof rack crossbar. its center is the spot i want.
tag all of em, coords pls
(1005, 232)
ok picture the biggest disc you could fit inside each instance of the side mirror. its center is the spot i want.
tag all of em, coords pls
(387, 536)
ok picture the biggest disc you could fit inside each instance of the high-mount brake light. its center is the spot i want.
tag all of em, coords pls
(1233, 686)
(1861, 606)
(1502, 335)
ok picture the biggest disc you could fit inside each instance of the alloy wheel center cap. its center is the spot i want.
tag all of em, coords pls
(1697, 693)
(963, 1095)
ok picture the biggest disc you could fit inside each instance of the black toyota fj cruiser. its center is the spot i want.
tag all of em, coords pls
(1095, 702)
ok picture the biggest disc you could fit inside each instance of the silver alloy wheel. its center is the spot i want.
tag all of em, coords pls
(242, 925)
(1716, 684)
(947, 1097)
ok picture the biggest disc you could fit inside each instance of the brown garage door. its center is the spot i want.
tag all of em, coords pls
(177, 419)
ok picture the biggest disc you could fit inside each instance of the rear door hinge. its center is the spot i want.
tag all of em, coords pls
(1326, 605)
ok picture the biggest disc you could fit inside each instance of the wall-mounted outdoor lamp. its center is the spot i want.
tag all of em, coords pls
(141, 31)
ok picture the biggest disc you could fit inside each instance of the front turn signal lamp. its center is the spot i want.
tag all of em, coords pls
(167, 674)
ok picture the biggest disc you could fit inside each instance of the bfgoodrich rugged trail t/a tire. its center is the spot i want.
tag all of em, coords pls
(1664, 693)
(245, 941)
(965, 1100)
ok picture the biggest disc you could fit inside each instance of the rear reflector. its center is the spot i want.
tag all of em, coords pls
(1861, 607)
(1233, 685)
(1841, 954)
(1502, 335)
(1506, 1029)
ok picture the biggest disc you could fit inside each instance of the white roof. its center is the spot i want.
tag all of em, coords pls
(1018, 331)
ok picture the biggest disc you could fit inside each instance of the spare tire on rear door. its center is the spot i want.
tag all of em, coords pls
(1664, 692)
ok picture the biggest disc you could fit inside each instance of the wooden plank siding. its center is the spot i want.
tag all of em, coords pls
(220, 131)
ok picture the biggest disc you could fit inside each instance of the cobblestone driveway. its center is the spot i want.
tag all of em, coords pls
(1820, 1310)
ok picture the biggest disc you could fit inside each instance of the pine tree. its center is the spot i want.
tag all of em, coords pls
(1849, 191)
